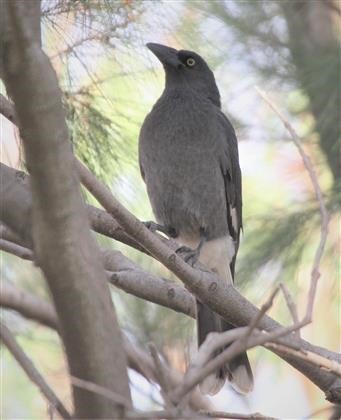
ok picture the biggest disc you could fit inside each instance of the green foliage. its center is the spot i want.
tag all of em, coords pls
(94, 136)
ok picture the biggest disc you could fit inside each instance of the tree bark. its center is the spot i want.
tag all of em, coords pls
(63, 245)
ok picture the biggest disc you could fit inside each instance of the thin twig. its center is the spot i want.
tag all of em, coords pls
(31, 371)
(237, 416)
(7, 234)
(322, 362)
(7, 109)
(169, 414)
(159, 369)
(291, 306)
(263, 310)
(315, 272)
(196, 373)
(18, 250)
(100, 390)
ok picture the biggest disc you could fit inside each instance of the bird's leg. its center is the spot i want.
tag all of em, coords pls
(189, 255)
(156, 227)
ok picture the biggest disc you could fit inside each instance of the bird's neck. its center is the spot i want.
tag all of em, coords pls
(208, 92)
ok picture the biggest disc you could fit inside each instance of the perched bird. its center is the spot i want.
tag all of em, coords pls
(188, 155)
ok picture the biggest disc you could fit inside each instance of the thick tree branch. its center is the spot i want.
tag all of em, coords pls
(223, 299)
(128, 276)
(60, 228)
(31, 371)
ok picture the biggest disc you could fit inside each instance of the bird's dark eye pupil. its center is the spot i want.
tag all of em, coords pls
(190, 62)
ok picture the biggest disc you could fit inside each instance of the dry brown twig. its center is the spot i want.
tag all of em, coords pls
(322, 362)
(39, 310)
(291, 306)
(315, 272)
(100, 390)
(15, 249)
(161, 374)
(31, 371)
(241, 339)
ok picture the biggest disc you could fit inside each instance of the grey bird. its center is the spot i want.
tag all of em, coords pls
(188, 156)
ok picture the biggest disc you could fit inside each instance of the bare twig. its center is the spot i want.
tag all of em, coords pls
(159, 369)
(315, 272)
(28, 305)
(224, 415)
(265, 307)
(213, 342)
(37, 309)
(322, 362)
(204, 365)
(31, 371)
(161, 414)
(291, 306)
(7, 234)
(7, 109)
(100, 390)
(169, 414)
(15, 249)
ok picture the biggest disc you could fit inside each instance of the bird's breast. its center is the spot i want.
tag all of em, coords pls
(180, 165)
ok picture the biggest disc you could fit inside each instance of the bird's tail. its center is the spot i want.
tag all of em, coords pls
(237, 371)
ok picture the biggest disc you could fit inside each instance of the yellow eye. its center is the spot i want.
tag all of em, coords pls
(190, 62)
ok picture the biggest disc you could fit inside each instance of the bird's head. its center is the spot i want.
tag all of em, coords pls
(188, 69)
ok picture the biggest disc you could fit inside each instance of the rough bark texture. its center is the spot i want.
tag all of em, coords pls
(62, 241)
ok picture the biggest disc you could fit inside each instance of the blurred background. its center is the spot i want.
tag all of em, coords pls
(110, 80)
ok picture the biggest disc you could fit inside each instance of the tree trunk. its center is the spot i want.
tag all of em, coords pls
(63, 245)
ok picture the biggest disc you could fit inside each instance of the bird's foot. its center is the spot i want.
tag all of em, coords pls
(156, 227)
(189, 255)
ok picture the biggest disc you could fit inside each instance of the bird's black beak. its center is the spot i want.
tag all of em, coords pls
(167, 55)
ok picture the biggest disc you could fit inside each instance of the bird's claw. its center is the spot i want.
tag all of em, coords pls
(152, 226)
(156, 227)
(189, 255)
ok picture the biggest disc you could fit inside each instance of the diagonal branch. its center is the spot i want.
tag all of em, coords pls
(223, 299)
(315, 272)
(133, 279)
(39, 310)
(31, 371)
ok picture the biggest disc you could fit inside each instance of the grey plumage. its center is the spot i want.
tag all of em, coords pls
(188, 155)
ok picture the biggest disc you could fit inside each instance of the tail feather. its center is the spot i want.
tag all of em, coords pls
(238, 370)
